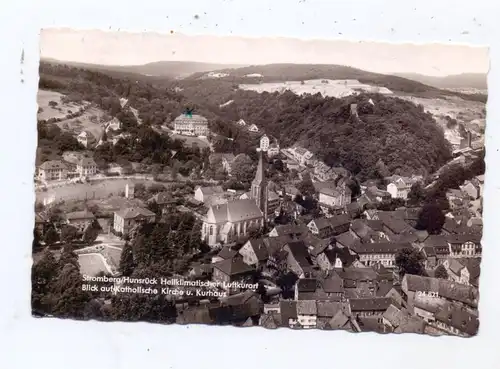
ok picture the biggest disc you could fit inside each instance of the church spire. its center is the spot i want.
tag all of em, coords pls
(260, 175)
(259, 186)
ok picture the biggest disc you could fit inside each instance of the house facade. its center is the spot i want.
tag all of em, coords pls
(379, 253)
(230, 270)
(86, 167)
(464, 245)
(191, 125)
(399, 187)
(126, 219)
(80, 219)
(52, 170)
(86, 139)
(333, 198)
(202, 194)
(264, 143)
(254, 252)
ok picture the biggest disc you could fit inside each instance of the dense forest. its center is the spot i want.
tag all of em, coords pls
(387, 130)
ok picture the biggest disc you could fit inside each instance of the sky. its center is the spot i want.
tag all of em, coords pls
(123, 48)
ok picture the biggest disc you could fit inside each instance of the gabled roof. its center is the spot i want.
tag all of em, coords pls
(235, 211)
(131, 213)
(233, 267)
(328, 309)
(211, 190)
(436, 241)
(53, 165)
(306, 307)
(346, 239)
(259, 248)
(332, 284)
(76, 215)
(227, 253)
(455, 266)
(396, 225)
(459, 319)
(463, 238)
(446, 289)
(299, 252)
(370, 304)
(357, 274)
(379, 248)
(87, 162)
(288, 310)
(306, 285)
(162, 198)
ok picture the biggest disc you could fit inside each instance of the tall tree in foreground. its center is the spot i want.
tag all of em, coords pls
(127, 264)
(431, 218)
(410, 261)
(441, 272)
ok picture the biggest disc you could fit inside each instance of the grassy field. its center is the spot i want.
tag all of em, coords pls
(86, 191)
(92, 264)
(334, 88)
(189, 141)
(59, 111)
(88, 121)
(84, 123)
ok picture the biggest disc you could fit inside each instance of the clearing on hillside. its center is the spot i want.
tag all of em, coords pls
(91, 120)
(51, 106)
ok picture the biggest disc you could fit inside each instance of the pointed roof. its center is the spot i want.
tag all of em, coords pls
(260, 175)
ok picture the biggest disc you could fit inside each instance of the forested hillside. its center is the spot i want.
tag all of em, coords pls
(391, 130)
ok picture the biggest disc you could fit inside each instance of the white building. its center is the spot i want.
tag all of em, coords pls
(86, 167)
(191, 125)
(85, 138)
(400, 187)
(264, 143)
(253, 128)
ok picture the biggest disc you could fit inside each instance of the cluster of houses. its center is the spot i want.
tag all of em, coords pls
(249, 127)
(345, 260)
(347, 277)
(74, 165)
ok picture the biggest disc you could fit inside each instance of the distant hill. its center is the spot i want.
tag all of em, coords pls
(170, 69)
(464, 80)
(298, 72)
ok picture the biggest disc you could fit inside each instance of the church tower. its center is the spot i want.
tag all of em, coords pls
(259, 186)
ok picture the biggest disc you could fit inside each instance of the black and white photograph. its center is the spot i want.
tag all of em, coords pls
(271, 182)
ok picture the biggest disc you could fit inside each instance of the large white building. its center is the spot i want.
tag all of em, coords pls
(191, 125)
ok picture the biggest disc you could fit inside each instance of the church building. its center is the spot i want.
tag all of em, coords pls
(226, 223)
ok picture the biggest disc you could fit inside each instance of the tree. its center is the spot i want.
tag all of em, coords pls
(68, 233)
(441, 272)
(243, 168)
(306, 186)
(51, 236)
(431, 218)
(287, 282)
(127, 264)
(410, 261)
(91, 232)
(417, 194)
(36, 245)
